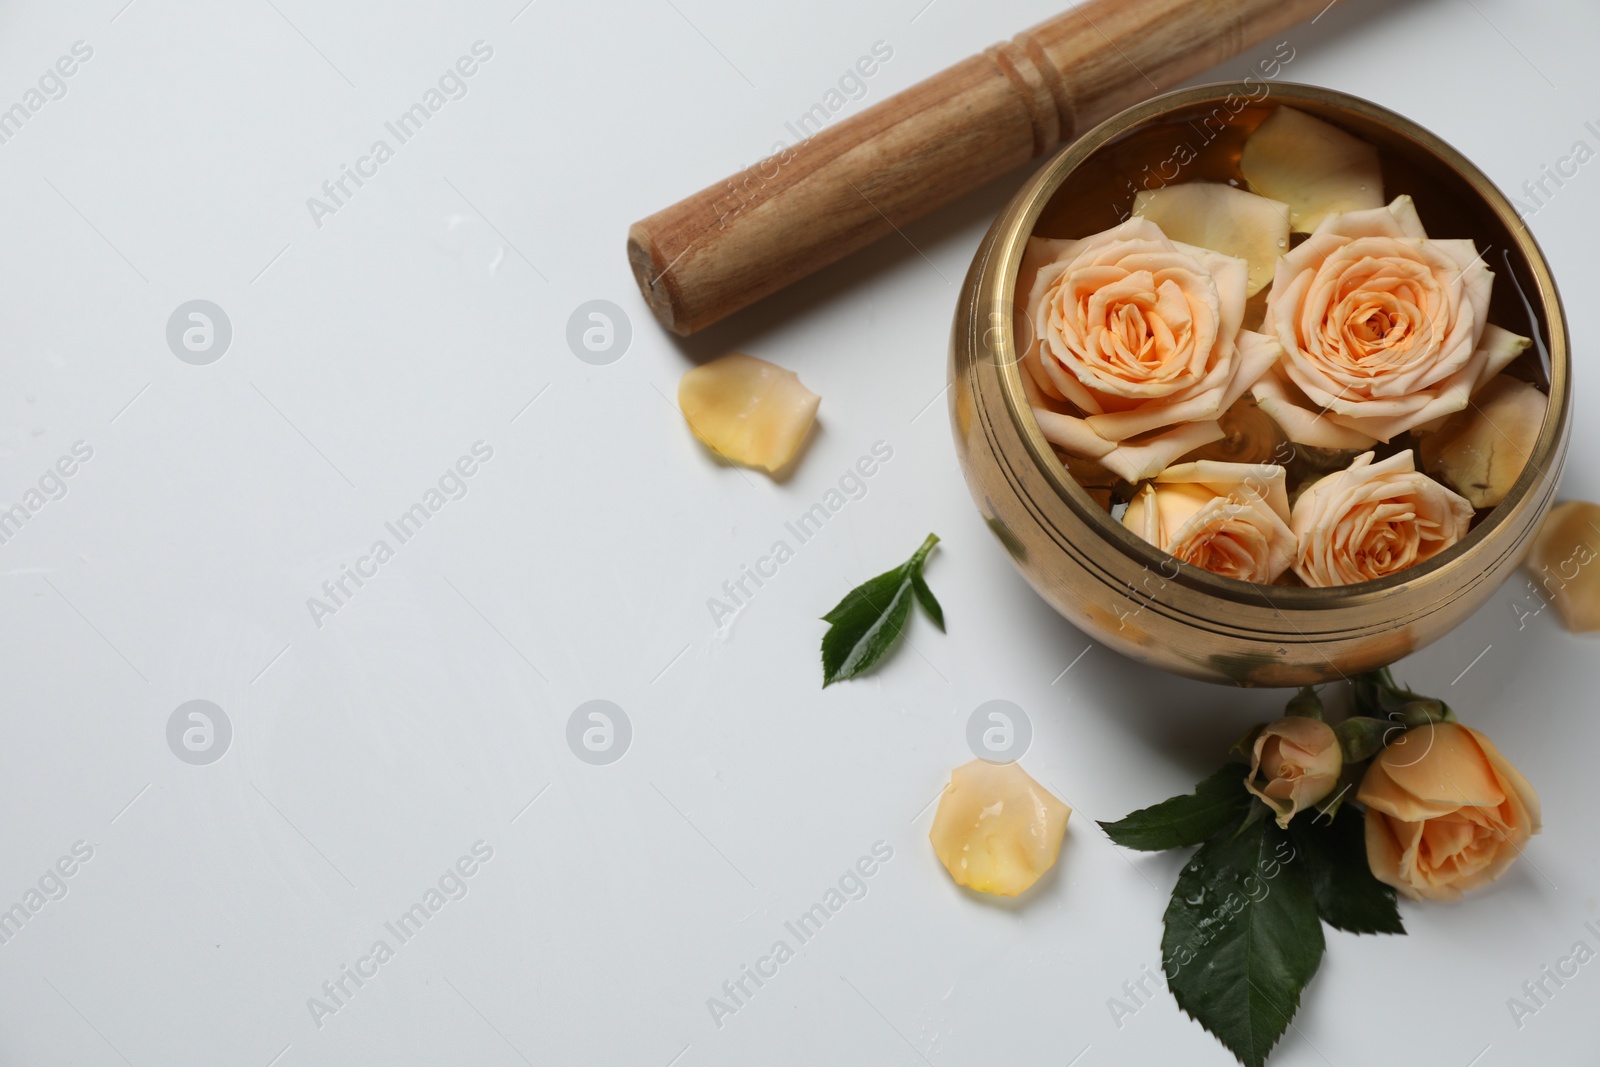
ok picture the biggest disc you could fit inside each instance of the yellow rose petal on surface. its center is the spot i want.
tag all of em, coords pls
(1481, 451)
(1223, 219)
(1317, 169)
(1564, 567)
(748, 410)
(997, 830)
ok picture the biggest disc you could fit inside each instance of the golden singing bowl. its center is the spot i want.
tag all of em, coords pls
(1121, 590)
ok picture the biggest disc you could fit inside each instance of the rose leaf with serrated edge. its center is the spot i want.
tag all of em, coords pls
(1348, 896)
(1242, 938)
(1216, 803)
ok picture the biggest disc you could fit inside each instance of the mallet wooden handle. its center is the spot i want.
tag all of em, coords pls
(857, 180)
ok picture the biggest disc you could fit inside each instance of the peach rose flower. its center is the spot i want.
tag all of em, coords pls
(1228, 518)
(1139, 334)
(1383, 329)
(1445, 812)
(1297, 761)
(1373, 519)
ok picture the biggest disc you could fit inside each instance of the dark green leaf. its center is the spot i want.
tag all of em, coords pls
(1348, 896)
(1255, 814)
(1216, 804)
(860, 636)
(873, 594)
(926, 599)
(1242, 938)
(867, 622)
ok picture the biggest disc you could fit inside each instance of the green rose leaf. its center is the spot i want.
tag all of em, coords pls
(867, 622)
(926, 599)
(1216, 803)
(1242, 938)
(1348, 896)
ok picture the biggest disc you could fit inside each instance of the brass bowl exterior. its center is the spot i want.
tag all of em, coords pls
(1131, 597)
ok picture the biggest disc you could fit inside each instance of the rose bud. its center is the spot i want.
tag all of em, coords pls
(1445, 812)
(1294, 763)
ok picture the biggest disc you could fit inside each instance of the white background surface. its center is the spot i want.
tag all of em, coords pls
(372, 752)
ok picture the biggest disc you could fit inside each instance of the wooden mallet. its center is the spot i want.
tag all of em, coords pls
(809, 205)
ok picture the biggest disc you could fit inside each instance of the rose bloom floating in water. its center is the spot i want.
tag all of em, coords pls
(1373, 519)
(1229, 518)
